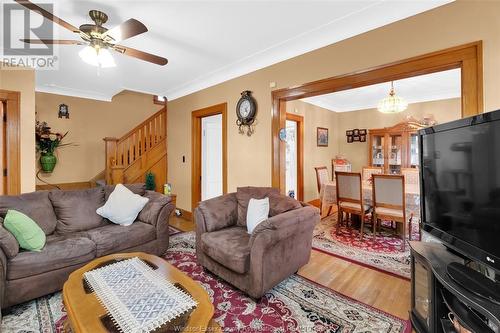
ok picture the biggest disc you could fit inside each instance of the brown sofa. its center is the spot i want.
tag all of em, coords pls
(255, 262)
(75, 235)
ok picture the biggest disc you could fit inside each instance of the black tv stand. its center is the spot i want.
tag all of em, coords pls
(474, 281)
(435, 294)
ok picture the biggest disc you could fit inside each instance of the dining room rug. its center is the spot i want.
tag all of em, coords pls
(381, 251)
(295, 305)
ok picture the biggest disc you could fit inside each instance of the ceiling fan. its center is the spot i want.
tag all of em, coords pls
(97, 38)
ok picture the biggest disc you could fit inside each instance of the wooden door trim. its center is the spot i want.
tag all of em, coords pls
(467, 57)
(196, 117)
(13, 140)
(300, 152)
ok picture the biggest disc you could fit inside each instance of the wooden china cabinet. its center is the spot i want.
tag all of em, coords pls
(394, 147)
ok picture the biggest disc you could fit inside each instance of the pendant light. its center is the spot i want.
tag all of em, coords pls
(392, 103)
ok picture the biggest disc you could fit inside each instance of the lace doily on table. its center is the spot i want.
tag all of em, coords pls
(138, 299)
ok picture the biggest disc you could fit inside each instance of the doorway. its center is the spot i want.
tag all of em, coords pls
(294, 156)
(209, 149)
(211, 157)
(467, 58)
(10, 183)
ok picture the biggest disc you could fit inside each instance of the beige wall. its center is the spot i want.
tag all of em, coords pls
(249, 158)
(23, 80)
(89, 122)
(314, 156)
(357, 152)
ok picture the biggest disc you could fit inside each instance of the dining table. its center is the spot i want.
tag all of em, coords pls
(328, 196)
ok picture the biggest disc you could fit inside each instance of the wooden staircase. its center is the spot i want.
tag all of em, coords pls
(143, 149)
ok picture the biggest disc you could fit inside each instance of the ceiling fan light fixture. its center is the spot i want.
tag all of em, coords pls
(99, 57)
(392, 103)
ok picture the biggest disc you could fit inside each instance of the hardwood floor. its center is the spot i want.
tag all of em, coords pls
(380, 290)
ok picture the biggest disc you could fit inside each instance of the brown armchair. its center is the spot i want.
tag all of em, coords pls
(255, 262)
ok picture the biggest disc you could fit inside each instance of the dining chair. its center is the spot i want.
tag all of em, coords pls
(350, 198)
(321, 178)
(369, 171)
(412, 179)
(389, 200)
(342, 167)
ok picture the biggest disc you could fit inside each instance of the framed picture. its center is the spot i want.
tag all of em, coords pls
(362, 138)
(349, 139)
(348, 132)
(355, 138)
(362, 132)
(322, 136)
(355, 132)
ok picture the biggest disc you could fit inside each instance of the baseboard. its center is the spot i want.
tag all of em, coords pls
(64, 186)
(186, 215)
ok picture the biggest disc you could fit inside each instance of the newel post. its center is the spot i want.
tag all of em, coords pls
(111, 145)
(116, 174)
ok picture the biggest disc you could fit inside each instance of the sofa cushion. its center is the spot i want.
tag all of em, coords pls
(280, 204)
(229, 247)
(76, 210)
(244, 194)
(27, 233)
(149, 214)
(113, 238)
(139, 188)
(123, 206)
(8, 242)
(36, 205)
(56, 254)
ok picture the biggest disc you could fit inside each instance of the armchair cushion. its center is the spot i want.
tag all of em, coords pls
(230, 247)
(244, 194)
(218, 213)
(149, 214)
(280, 204)
(8, 242)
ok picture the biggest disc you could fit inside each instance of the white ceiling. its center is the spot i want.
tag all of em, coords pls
(423, 88)
(208, 42)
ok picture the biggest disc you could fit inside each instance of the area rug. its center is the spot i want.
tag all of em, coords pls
(381, 252)
(173, 230)
(295, 305)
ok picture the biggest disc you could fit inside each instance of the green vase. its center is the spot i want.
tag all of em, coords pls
(48, 162)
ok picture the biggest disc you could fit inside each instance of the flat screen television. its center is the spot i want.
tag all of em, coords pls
(460, 185)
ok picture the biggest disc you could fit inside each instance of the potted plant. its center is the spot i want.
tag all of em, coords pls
(46, 144)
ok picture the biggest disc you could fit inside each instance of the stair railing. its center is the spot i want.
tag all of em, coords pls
(123, 152)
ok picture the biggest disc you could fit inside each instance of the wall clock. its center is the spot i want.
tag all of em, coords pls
(246, 110)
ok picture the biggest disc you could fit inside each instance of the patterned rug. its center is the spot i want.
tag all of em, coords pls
(381, 252)
(295, 305)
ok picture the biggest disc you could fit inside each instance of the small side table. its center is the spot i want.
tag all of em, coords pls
(174, 199)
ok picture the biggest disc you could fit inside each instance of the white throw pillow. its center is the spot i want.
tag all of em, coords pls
(258, 211)
(122, 206)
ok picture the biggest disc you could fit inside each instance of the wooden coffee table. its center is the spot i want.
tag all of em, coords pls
(86, 314)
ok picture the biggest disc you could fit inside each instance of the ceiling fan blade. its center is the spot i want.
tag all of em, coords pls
(53, 41)
(141, 55)
(48, 15)
(127, 29)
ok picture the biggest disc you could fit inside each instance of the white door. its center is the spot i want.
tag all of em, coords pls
(291, 159)
(211, 157)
